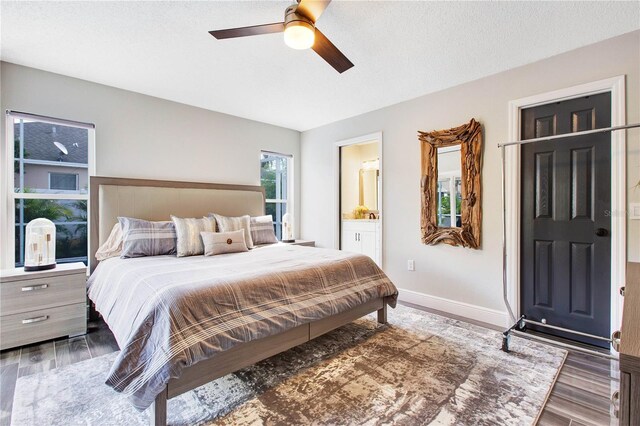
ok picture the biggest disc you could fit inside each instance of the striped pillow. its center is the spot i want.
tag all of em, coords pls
(227, 224)
(223, 242)
(188, 231)
(145, 238)
(262, 230)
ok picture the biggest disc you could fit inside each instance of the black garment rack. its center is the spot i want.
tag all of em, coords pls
(519, 326)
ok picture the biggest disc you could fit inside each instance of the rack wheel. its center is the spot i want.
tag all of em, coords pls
(505, 342)
(522, 326)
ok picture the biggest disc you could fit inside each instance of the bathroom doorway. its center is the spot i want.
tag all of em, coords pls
(359, 196)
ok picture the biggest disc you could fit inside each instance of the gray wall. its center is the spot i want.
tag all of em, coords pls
(141, 136)
(468, 276)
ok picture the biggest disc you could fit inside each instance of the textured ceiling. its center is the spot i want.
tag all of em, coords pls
(401, 50)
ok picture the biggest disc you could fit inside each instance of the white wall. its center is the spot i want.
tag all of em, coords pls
(140, 136)
(469, 278)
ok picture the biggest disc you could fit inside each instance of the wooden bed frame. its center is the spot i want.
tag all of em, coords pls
(241, 355)
(246, 354)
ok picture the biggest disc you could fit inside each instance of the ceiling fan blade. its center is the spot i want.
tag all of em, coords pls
(277, 27)
(312, 9)
(327, 51)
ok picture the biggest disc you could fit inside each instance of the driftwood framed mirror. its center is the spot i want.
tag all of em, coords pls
(451, 185)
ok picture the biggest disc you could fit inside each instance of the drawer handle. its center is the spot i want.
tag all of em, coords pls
(35, 319)
(615, 340)
(35, 287)
(614, 410)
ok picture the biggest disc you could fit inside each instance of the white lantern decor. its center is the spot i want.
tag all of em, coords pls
(40, 245)
(287, 229)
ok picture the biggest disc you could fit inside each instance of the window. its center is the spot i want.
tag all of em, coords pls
(52, 161)
(446, 209)
(63, 181)
(275, 177)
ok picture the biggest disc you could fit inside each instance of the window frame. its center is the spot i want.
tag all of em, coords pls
(288, 201)
(77, 179)
(8, 196)
(450, 178)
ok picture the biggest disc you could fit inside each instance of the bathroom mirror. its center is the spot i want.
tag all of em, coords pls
(450, 185)
(369, 188)
(360, 180)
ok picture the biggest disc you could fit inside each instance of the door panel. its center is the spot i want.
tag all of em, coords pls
(350, 241)
(583, 120)
(368, 243)
(582, 183)
(545, 126)
(544, 184)
(581, 301)
(566, 197)
(543, 279)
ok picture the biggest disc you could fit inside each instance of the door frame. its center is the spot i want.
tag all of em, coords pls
(337, 216)
(615, 86)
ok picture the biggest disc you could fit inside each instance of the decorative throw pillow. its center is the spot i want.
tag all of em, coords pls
(227, 224)
(145, 238)
(113, 246)
(188, 231)
(223, 242)
(262, 232)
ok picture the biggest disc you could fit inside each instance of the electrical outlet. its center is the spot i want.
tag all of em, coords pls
(411, 265)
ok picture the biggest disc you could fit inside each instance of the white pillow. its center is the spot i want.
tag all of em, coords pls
(113, 246)
(223, 242)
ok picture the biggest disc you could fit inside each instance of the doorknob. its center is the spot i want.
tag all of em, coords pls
(601, 232)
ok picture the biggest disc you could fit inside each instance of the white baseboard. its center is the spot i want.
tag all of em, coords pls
(462, 309)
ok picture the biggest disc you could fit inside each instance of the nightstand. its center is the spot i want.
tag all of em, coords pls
(303, 243)
(42, 305)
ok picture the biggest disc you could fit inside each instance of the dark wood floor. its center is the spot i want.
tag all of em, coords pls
(580, 396)
(44, 356)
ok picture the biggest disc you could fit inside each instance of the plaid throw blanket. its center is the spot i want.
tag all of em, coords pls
(168, 313)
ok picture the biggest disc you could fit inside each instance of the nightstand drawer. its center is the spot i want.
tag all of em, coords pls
(39, 293)
(43, 324)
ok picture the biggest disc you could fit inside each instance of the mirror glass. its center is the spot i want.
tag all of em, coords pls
(359, 181)
(369, 188)
(449, 187)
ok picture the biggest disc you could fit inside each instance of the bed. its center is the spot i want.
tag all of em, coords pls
(182, 322)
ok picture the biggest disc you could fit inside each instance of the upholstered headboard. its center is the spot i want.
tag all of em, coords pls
(158, 199)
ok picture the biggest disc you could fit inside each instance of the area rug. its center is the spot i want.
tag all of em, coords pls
(419, 369)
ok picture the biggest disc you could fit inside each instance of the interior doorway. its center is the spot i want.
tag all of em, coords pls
(359, 196)
(512, 192)
(566, 222)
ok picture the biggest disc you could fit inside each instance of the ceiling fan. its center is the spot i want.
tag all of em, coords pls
(300, 32)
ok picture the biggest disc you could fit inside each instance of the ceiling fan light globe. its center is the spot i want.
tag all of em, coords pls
(299, 35)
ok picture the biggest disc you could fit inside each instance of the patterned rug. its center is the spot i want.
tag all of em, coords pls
(419, 369)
